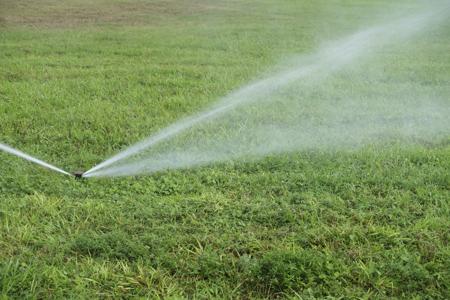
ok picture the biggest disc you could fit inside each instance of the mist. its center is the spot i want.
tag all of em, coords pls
(344, 95)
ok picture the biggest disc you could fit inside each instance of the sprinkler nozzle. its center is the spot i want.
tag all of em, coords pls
(78, 174)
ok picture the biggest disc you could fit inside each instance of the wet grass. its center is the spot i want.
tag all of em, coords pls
(366, 223)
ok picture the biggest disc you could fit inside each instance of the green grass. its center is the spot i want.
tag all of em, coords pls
(81, 80)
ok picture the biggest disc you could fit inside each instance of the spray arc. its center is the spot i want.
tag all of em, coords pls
(313, 68)
(18, 153)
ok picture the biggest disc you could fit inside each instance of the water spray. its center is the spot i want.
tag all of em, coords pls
(25, 156)
(154, 153)
(300, 134)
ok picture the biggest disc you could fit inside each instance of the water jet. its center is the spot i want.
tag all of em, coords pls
(262, 118)
(35, 160)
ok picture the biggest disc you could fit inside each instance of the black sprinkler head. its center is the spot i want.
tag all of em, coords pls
(78, 174)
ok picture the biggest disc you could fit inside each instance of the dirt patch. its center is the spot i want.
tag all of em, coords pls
(75, 13)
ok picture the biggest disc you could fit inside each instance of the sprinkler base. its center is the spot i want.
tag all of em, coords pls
(78, 174)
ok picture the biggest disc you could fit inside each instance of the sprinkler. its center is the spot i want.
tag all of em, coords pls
(78, 174)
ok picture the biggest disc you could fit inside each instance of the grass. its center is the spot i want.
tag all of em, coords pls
(80, 80)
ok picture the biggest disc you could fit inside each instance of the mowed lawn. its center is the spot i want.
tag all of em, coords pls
(80, 80)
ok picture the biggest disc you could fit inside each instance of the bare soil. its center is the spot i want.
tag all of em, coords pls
(65, 13)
